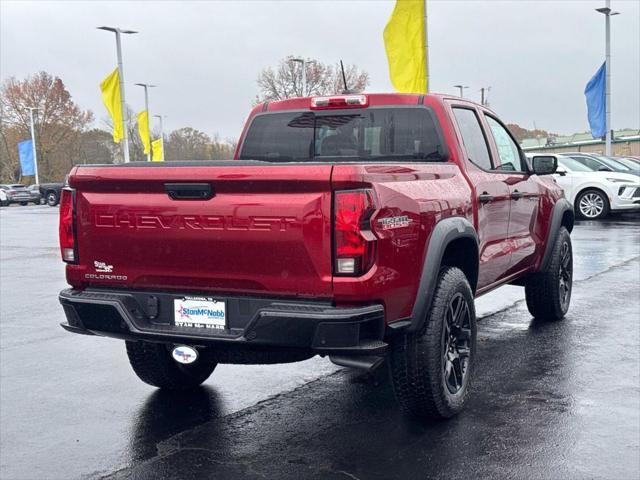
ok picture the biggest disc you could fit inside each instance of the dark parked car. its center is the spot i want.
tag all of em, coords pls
(17, 193)
(51, 193)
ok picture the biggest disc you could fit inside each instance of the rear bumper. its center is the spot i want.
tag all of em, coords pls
(270, 323)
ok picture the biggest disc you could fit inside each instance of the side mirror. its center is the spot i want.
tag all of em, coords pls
(544, 164)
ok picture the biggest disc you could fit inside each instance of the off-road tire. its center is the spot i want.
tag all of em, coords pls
(417, 360)
(544, 290)
(153, 364)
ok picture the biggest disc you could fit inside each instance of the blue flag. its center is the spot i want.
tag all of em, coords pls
(25, 151)
(596, 110)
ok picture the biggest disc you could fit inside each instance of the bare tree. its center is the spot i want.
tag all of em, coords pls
(59, 123)
(285, 80)
(191, 144)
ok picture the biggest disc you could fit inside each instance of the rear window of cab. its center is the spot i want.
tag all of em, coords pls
(372, 134)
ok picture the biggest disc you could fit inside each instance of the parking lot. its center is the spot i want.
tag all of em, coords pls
(555, 400)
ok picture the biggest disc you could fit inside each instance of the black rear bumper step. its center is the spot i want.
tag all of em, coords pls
(317, 327)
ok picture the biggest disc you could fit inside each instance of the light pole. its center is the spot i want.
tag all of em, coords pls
(33, 144)
(118, 32)
(461, 87)
(146, 87)
(484, 100)
(159, 117)
(606, 10)
(303, 62)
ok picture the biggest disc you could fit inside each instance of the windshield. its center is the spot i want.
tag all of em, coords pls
(614, 164)
(629, 163)
(371, 134)
(573, 165)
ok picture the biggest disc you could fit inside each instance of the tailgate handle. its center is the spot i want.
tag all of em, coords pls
(189, 191)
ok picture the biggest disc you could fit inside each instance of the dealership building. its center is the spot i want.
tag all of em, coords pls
(624, 142)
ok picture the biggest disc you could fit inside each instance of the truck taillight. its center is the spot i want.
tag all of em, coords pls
(67, 226)
(354, 241)
(339, 101)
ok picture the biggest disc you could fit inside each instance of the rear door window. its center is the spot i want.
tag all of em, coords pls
(373, 134)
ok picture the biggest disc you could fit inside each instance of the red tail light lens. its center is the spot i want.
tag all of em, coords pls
(354, 241)
(67, 226)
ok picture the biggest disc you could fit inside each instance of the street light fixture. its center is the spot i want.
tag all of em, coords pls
(461, 87)
(123, 102)
(607, 12)
(146, 87)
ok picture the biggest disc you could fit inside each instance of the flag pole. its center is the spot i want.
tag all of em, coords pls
(122, 99)
(123, 103)
(607, 82)
(159, 117)
(606, 10)
(33, 144)
(146, 87)
(426, 49)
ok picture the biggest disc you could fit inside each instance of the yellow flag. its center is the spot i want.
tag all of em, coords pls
(157, 151)
(110, 88)
(143, 130)
(404, 41)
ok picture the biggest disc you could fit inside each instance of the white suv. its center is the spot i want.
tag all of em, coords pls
(594, 194)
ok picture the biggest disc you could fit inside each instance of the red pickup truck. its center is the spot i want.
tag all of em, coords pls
(360, 227)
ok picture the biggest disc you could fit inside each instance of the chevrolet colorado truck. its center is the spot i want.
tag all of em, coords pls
(359, 227)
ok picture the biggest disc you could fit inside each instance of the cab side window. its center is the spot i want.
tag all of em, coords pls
(474, 142)
(508, 151)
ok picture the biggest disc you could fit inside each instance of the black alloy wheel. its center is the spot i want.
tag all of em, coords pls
(566, 275)
(456, 348)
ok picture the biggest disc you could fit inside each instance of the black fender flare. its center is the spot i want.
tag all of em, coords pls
(444, 232)
(560, 209)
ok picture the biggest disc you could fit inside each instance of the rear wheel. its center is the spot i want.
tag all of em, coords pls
(153, 364)
(548, 293)
(24, 204)
(52, 199)
(432, 368)
(592, 205)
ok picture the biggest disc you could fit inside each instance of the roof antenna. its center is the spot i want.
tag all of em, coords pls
(344, 79)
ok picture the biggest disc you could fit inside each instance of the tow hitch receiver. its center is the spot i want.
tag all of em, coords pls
(184, 354)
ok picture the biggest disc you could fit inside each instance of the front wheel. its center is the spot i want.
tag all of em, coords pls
(153, 364)
(432, 369)
(52, 199)
(24, 204)
(548, 292)
(592, 205)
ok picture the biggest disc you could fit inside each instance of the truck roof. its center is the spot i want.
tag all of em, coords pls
(375, 99)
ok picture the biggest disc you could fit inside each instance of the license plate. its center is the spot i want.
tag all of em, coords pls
(200, 312)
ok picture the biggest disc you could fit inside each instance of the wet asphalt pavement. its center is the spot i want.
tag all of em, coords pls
(558, 400)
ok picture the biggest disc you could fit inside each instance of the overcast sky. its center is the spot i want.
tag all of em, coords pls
(537, 56)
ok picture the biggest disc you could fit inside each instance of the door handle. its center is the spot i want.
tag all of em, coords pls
(516, 195)
(189, 191)
(486, 198)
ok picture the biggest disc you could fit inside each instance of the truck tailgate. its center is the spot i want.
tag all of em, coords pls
(266, 229)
